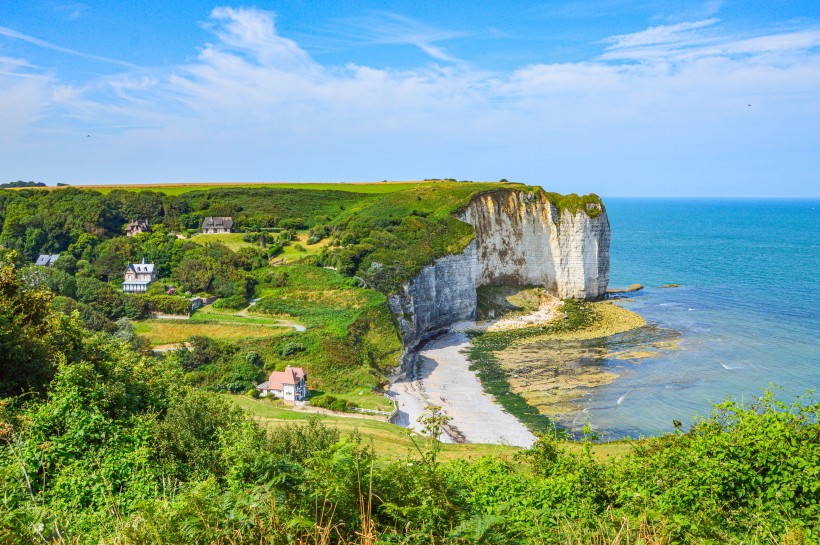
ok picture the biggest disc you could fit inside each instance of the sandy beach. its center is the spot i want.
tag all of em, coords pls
(442, 377)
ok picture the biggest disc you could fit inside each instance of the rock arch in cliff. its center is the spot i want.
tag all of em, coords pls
(521, 239)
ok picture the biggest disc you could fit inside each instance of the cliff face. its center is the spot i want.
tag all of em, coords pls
(521, 239)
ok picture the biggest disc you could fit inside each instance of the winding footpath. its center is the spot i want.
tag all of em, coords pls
(282, 323)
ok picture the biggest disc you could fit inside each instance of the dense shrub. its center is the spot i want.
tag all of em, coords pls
(165, 304)
(327, 401)
(233, 302)
(120, 451)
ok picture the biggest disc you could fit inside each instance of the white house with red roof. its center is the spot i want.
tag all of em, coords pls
(290, 384)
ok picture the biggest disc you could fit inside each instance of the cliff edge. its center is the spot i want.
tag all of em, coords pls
(522, 238)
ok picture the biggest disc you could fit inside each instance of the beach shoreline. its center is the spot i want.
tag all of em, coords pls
(441, 377)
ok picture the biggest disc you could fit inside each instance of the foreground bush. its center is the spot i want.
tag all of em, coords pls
(116, 449)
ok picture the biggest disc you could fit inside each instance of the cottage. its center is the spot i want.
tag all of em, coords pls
(46, 260)
(137, 276)
(216, 225)
(135, 227)
(290, 384)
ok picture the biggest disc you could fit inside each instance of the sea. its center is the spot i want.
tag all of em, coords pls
(745, 318)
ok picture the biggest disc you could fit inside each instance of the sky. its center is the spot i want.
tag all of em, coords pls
(714, 98)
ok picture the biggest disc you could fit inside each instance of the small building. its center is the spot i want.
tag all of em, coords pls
(46, 260)
(135, 227)
(212, 226)
(290, 384)
(137, 276)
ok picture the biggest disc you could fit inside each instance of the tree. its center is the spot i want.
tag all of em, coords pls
(195, 273)
(113, 256)
(67, 263)
(32, 334)
(83, 247)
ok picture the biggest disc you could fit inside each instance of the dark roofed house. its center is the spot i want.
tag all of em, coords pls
(136, 226)
(216, 225)
(290, 384)
(46, 260)
(137, 276)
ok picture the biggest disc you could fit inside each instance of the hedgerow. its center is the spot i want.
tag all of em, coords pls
(165, 304)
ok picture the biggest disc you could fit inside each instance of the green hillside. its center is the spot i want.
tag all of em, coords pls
(103, 441)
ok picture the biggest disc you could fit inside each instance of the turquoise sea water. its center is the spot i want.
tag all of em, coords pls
(748, 312)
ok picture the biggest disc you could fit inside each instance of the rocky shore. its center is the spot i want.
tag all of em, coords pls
(441, 375)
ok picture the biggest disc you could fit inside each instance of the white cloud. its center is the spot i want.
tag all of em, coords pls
(255, 105)
(383, 28)
(13, 34)
(23, 100)
(71, 10)
(658, 40)
(253, 31)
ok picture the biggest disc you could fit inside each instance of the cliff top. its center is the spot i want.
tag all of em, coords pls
(384, 233)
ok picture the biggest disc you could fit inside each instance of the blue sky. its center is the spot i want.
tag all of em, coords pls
(619, 97)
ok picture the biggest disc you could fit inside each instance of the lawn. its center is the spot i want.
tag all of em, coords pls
(159, 332)
(291, 253)
(391, 441)
(206, 315)
(231, 240)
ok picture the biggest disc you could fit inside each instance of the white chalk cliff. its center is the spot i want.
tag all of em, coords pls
(521, 239)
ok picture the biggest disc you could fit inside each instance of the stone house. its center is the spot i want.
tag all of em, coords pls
(137, 276)
(290, 384)
(136, 226)
(211, 226)
(46, 260)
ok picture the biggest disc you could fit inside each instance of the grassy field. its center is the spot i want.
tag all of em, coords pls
(391, 441)
(179, 189)
(209, 315)
(350, 340)
(290, 253)
(160, 332)
(231, 240)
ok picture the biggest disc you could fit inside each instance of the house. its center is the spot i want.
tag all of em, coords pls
(290, 384)
(137, 276)
(46, 260)
(212, 226)
(136, 226)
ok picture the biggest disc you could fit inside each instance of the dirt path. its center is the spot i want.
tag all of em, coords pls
(245, 313)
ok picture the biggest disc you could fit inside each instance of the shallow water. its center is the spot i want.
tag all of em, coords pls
(747, 312)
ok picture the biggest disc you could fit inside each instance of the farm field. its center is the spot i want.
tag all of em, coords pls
(179, 189)
(159, 332)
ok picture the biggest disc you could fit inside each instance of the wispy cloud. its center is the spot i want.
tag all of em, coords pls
(71, 10)
(14, 35)
(667, 37)
(691, 40)
(253, 104)
(384, 28)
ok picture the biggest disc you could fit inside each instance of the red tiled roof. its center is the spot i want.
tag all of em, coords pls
(291, 375)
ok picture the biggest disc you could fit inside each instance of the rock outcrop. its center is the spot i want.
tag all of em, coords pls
(521, 239)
